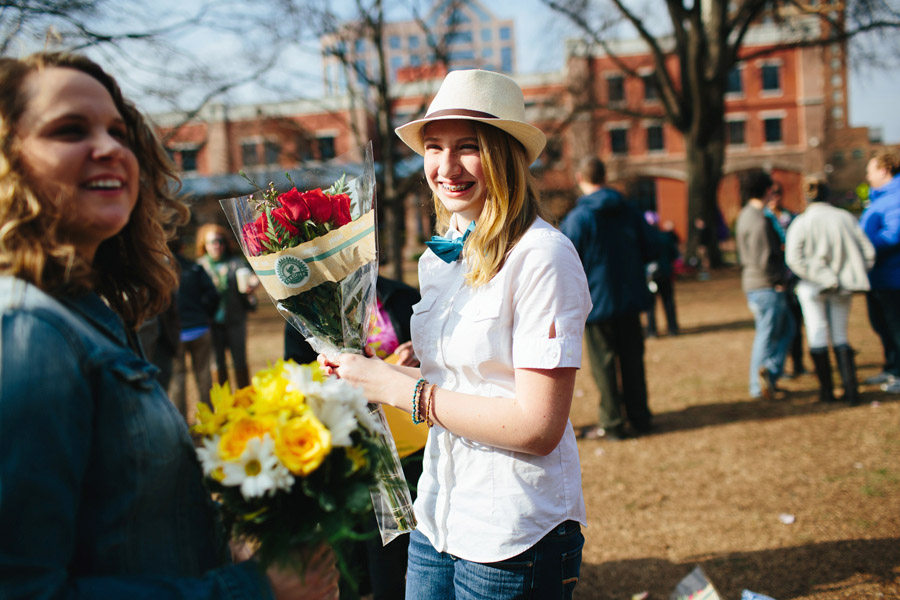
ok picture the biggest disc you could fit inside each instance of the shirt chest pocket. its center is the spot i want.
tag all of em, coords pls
(479, 331)
(134, 403)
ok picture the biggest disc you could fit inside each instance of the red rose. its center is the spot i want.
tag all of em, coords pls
(295, 205)
(282, 216)
(340, 208)
(253, 233)
(319, 206)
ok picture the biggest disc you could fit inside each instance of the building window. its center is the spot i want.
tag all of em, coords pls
(460, 55)
(735, 133)
(249, 154)
(189, 159)
(326, 148)
(734, 84)
(857, 154)
(396, 63)
(415, 60)
(649, 87)
(506, 58)
(655, 141)
(394, 41)
(272, 152)
(412, 42)
(618, 141)
(487, 53)
(505, 33)
(771, 78)
(615, 88)
(772, 128)
(459, 37)
(838, 157)
(486, 35)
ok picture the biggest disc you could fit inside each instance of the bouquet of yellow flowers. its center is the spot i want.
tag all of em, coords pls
(291, 458)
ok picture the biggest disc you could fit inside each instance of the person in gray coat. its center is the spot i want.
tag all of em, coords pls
(828, 251)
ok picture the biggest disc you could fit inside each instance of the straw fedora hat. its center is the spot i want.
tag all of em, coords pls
(477, 95)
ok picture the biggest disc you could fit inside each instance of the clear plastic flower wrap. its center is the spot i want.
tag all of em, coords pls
(314, 252)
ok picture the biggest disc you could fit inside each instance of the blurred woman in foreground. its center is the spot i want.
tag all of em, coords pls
(101, 494)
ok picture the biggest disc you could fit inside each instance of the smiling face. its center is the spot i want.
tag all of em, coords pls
(453, 167)
(73, 145)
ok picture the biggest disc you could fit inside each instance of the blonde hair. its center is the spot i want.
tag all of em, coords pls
(888, 160)
(134, 269)
(512, 202)
(205, 230)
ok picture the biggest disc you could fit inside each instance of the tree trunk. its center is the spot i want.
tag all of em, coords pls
(394, 218)
(705, 160)
(394, 214)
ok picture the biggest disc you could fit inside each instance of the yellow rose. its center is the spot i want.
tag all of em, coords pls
(302, 443)
(234, 439)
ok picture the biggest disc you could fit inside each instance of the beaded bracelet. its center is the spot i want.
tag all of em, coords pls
(417, 394)
(429, 402)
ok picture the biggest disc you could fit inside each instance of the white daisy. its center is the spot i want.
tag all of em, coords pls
(258, 471)
(209, 455)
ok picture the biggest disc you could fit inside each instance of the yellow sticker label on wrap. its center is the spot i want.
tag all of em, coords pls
(330, 257)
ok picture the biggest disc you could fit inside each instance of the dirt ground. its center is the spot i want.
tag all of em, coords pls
(715, 482)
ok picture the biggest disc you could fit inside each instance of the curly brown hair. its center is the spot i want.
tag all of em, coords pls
(134, 270)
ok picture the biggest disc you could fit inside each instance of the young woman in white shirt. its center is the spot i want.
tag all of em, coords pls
(498, 333)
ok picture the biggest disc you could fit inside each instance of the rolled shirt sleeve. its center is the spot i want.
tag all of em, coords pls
(551, 302)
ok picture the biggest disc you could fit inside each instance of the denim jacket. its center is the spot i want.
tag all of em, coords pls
(101, 495)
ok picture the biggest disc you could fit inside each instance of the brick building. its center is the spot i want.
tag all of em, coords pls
(785, 112)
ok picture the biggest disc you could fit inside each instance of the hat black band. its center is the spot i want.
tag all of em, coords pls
(460, 112)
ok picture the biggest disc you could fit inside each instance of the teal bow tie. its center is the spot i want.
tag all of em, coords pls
(446, 249)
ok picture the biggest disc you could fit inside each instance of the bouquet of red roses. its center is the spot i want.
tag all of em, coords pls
(314, 253)
(314, 257)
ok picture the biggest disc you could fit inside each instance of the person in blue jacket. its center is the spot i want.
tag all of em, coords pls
(101, 494)
(615, 244)
(881, 223)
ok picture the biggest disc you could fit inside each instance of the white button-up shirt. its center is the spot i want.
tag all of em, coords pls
(475, 501)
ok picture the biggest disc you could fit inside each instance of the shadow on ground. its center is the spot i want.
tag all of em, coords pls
(712, 327)
(781, 574)
(789, 404)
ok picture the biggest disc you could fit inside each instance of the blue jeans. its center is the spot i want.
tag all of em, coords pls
(548, 570)
(774, 332)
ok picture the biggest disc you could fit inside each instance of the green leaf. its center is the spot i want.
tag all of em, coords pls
(339, 187)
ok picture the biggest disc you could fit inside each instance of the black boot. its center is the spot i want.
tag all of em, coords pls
(822, 365)
(847, 369)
